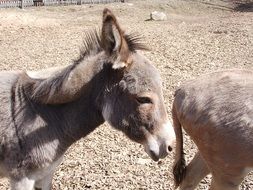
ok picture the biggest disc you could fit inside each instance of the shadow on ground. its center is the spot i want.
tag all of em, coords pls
(246, 6)
(232, 5)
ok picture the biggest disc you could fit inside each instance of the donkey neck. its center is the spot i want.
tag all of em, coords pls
(68, 84)
(70, 121)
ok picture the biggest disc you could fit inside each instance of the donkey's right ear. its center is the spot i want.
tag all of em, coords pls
(113, 40)
(111, 32)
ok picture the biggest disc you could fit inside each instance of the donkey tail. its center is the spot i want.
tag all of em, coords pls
(179, 168)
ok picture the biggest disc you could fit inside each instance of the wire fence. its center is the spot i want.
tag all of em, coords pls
(29, 3)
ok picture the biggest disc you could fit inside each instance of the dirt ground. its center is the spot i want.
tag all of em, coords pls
(199, 36)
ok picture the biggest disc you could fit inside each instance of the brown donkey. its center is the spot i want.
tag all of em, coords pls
(216, 110)
(43, 113)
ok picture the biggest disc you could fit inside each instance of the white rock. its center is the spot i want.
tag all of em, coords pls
(158, 16)
(142, 161)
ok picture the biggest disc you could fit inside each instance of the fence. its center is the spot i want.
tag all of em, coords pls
(29, 3)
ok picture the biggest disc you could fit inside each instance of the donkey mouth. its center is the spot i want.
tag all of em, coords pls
(154, 156)
(155, 150)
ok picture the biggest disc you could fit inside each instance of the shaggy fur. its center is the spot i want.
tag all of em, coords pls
(43, 113)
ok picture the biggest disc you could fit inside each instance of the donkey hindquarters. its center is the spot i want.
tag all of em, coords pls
(216, 111)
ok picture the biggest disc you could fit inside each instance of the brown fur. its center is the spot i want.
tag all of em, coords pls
(216, 110)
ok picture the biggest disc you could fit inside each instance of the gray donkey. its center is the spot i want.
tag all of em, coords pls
(216, 110)
(42, 115)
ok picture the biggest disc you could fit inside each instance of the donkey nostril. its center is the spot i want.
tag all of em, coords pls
(169, 148)
(154, 156)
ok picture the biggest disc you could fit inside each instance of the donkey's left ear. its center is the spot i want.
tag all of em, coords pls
(114, 42)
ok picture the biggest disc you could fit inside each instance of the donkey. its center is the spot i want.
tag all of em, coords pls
(216, 110)
(43, 113)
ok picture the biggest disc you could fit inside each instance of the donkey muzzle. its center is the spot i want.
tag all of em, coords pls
(159, 144)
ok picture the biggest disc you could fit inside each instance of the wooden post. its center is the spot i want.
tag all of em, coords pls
(22, 4)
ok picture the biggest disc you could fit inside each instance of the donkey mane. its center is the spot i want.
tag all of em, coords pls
(92, 44)
(44, 89)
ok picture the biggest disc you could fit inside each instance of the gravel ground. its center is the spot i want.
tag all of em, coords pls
(199, 36)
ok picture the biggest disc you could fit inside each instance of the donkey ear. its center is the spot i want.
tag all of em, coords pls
(113, 41)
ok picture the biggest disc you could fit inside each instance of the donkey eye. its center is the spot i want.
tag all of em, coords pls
(144, 100)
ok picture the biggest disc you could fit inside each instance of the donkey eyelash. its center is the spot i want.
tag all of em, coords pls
(144, 100)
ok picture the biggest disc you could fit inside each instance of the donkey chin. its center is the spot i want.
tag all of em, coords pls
(158, 145)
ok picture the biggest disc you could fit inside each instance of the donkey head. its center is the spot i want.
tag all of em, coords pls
(133, 99)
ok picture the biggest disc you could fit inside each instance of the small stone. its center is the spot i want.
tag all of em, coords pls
(159, 162)
(142, 161)
(158, 16)
(88, 186)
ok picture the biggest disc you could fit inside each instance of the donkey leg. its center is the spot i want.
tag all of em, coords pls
(195, 172)
(23, 184)
(217, 184)
(44, 183)
(226, 181)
